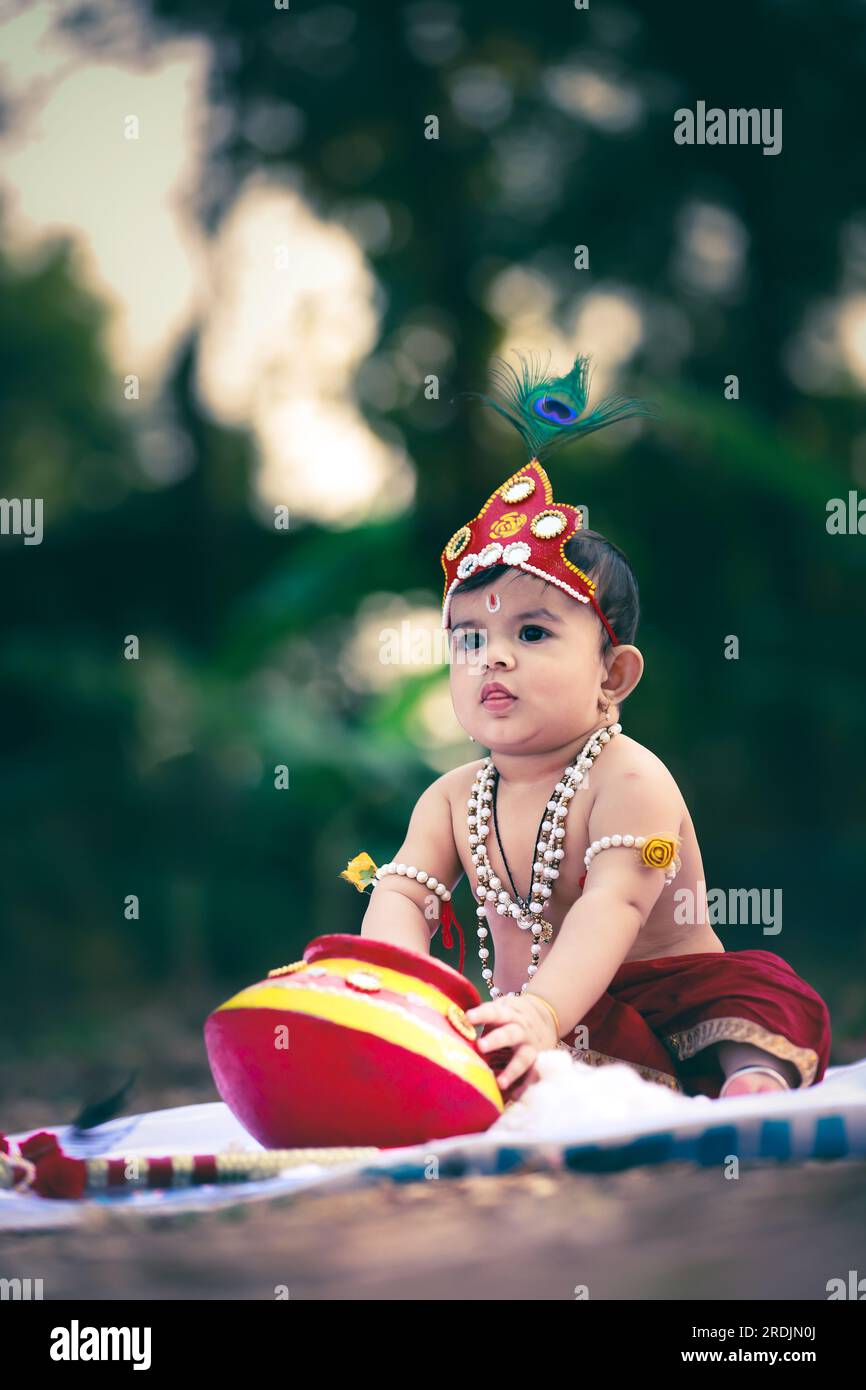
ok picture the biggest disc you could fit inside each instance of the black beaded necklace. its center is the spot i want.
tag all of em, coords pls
(524, 902)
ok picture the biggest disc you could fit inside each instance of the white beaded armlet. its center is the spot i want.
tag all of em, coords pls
(409, 871)
(654, 851)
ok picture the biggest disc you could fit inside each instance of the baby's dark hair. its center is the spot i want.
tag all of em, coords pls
(616, 585)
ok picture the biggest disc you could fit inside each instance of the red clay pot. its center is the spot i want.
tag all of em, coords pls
(360, 1043)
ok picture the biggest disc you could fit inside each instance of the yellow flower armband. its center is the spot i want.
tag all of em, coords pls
(653, 851)
(361, 871)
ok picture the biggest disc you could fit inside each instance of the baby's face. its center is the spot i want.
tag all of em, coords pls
(550, 661)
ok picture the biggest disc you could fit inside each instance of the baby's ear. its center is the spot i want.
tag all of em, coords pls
(624, 670)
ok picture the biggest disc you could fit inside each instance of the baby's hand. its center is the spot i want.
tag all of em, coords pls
(527, 1028)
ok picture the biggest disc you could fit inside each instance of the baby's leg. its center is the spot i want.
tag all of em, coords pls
(733, 1055)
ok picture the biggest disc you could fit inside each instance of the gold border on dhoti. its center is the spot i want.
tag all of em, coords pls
(689, 1041)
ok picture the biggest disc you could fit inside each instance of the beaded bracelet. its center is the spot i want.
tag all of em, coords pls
(409, 871)
(654, 851)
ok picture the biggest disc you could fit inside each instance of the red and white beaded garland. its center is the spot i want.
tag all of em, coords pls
(489, 889)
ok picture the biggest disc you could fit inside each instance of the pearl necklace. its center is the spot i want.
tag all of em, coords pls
(489, 887)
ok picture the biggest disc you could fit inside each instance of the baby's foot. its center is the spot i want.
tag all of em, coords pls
(751, 1083)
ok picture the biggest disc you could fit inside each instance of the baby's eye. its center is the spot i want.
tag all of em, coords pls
(468, 639)
(533, 627)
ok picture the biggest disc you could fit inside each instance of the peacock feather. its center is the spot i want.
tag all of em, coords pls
(548, 411)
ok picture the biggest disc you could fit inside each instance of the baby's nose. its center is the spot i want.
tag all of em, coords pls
(499, 654)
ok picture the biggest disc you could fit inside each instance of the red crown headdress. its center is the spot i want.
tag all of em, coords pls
(520, 524)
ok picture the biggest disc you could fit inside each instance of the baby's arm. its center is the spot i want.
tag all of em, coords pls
(403, 910)
(599, 930)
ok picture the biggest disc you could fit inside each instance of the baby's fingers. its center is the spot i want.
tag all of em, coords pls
(522, 1060)
(509, 1035)
(529, 1080)
(487, 1013)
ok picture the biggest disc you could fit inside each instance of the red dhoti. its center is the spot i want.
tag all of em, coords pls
(662, 1017)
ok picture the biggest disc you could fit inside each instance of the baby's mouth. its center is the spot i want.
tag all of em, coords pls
(498, 699)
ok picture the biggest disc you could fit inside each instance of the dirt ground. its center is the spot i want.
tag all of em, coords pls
(670, 1232)
(676, 1232)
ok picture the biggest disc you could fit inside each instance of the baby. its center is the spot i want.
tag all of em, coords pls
(571, 833)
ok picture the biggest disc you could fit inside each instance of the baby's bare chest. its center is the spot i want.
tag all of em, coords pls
(521, 820)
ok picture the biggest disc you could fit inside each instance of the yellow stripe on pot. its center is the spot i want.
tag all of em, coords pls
(385, 1019)
(395, 980)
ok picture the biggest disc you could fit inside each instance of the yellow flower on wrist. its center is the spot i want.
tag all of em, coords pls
(361, 871)
(658, 852)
